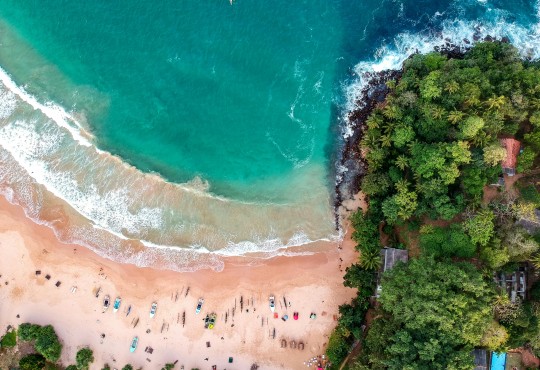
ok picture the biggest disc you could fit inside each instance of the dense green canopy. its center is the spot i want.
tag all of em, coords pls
(431, 148)
(434, 143)
(437, 313)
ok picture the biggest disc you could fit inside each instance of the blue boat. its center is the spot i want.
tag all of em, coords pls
(117, 303)
(134, 344)
(199, 305)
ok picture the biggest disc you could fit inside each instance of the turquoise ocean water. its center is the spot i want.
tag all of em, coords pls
(203, 126)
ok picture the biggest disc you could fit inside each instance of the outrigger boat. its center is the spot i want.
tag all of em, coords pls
(128, 311)
(210, 321)
(199, 305)
(116, 304)
(272, 303)
(153, 310)
(134, 343)
(106, 303)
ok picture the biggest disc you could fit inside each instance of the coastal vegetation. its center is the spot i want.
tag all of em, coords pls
(84, 357)
(45, 340)
(448, 128)
(45, 349)
(34, 361)
(9, 339)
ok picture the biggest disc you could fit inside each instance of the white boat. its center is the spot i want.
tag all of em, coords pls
(117, 303)
(153, 310)
(199, 305)
(106, 303)
(272, 303)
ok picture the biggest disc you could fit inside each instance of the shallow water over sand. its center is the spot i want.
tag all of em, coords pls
(214, 135)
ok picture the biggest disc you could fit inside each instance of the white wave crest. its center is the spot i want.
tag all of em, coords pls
(54, 112)
(458, 32)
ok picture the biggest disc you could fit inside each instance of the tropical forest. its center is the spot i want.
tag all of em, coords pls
(451, 178)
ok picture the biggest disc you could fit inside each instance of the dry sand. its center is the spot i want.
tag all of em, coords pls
(309, 283)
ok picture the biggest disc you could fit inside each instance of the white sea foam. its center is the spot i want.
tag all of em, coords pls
(29, 148)
(54, 112)
(180, 229)
(391, 56)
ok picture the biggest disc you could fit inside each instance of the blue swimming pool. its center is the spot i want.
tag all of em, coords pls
(498, 361)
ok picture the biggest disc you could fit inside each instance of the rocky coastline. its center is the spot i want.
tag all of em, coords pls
(351, 164)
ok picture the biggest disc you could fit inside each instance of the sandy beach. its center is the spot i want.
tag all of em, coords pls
(238, 295)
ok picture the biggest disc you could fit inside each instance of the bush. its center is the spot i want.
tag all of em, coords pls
(534, 293)
(127, 367)
(451, 242)
(47, 343)
(106, 367)
(71, 367)
(530, 194)
(34, 361)
(338, 345)
(526, 160)
(84, 358)
(9, 340)
(28, 331)
(46, 340)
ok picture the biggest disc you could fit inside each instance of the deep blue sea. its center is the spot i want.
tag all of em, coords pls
(169, 129)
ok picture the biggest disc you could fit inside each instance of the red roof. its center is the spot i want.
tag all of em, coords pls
(512, 150)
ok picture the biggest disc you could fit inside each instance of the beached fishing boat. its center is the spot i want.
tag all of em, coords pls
(153, 310)
(128, 311)
(199, 305)
(210, 321)
(106, 303)
(272, 303)
(134, 343)
(116, 304)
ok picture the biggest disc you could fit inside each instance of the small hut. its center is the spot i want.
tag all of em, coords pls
(513, 283)
(480, 359)
(390, 256)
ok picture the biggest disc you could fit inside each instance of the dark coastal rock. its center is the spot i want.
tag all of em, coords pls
(348, 182)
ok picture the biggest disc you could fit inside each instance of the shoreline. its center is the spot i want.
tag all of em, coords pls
(350, 158)
(311, 283)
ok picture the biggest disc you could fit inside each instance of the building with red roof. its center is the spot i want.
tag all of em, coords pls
(512, 147)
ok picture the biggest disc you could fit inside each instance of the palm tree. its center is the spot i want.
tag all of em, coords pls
(402, 162)
(392, 111)
(370, 141)
(481, 139)
(496, 102)
(402, 186)
(386, 141)
(535, 103)
(535, 261)
(438, 112)
(452, 87)
(374, 121)
(501, 299)
(370, 260)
